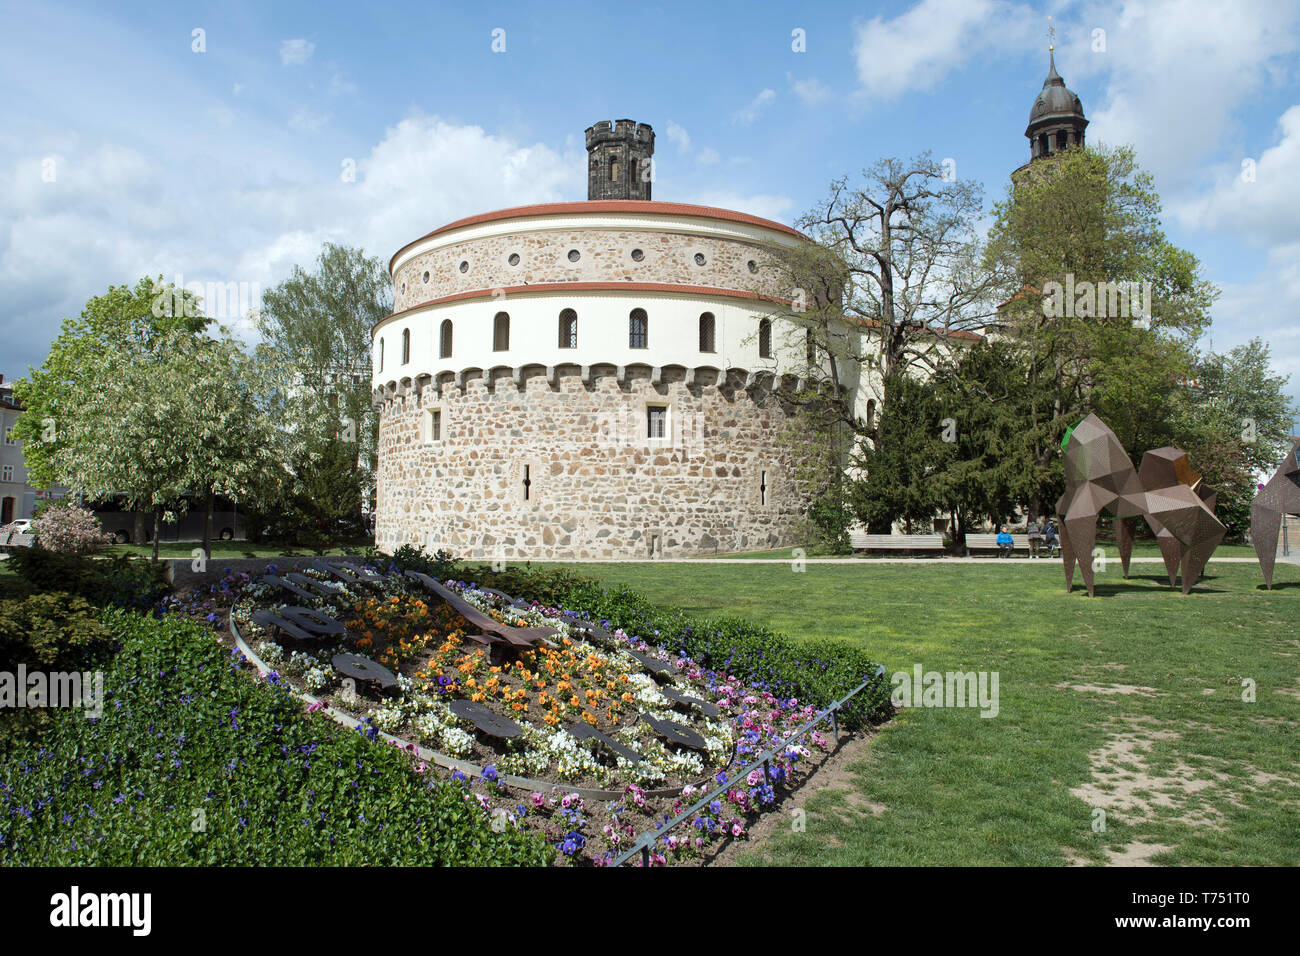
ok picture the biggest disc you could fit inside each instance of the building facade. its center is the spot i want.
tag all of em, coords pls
(599, 379)
(17, 497)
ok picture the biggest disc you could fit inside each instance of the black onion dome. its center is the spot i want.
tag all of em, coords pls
(1055, 100)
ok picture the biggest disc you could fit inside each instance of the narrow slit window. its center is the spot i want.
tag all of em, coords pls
(765, 338)
(406, 346)
(501, 332)
(706, 332)
(568, 329)
(444, 339)
(528, 482)
(638, 329)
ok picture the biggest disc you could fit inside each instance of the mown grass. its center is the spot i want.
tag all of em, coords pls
(951, 787)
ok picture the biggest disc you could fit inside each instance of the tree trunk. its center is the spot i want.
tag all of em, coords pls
(157, 530)
(207, 526)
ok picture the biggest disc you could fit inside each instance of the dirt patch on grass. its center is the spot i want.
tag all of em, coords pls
(1123, 689)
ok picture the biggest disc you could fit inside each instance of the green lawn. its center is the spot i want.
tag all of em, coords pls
(1154, 730)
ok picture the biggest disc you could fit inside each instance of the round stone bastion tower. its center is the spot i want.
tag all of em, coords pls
(605, 379)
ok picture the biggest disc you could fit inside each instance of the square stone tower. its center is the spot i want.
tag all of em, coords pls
(619, 160)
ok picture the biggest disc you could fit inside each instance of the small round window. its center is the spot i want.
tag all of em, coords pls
(753, 266)
(464, 266)
(514, 259)
(637, 255)
(699, 259)
(426, 277)
(574, 255)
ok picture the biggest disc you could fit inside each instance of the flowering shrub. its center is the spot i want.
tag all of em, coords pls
(65, 528)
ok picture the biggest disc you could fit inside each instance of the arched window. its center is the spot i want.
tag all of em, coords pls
(706, 332)
(501, 332)
(634, 169)
(638, 329)
(1042, 144)
(613, 169)
(444, 339)
(1063, 139)
(765, 338)
(871, 413)
(568, 329)
(381, 355)
(406, 346)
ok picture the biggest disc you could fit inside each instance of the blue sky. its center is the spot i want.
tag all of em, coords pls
(225, 165)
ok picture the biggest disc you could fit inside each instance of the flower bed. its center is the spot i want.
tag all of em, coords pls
(546, 690)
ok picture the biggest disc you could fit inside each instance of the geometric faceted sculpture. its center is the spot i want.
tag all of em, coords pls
(1180, 513)
(1281, 495)
(1099, 479)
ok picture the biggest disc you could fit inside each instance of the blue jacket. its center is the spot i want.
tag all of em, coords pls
(1004, 538)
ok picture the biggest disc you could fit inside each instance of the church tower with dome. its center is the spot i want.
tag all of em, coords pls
(1056, 120)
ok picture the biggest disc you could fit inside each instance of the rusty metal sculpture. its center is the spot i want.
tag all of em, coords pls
(1281, 495)
(1181, 513)
(1099, 479)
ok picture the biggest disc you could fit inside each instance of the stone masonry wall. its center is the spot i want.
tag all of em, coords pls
(605, 255)
(598, 488)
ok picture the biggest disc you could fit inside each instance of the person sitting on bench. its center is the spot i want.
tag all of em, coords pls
(1049, 537)
(1006, 543)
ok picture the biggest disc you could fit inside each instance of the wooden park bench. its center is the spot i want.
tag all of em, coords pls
(1019, 542)
(861, 541)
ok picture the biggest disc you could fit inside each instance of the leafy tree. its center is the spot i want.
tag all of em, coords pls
(1088, 221)
(898, 471)
(124, 319)
(1234, 422)
(316, 328)
(991, 465)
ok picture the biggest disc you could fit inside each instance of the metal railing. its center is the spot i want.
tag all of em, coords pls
(646, 841)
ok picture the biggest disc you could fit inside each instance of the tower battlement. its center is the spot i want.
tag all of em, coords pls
(619, 160)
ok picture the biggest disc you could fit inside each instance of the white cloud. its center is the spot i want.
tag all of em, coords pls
(339, 85)
(679, 136)
(746, 116)
(1260, 202)
(811, 91)
(115, 214)
(1178, 74)
(296, 52)
(917, 50)
(305, 121)
(708, 156)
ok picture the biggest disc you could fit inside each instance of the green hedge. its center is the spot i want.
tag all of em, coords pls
(194, 762)
(815, 671)
(122, 580)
